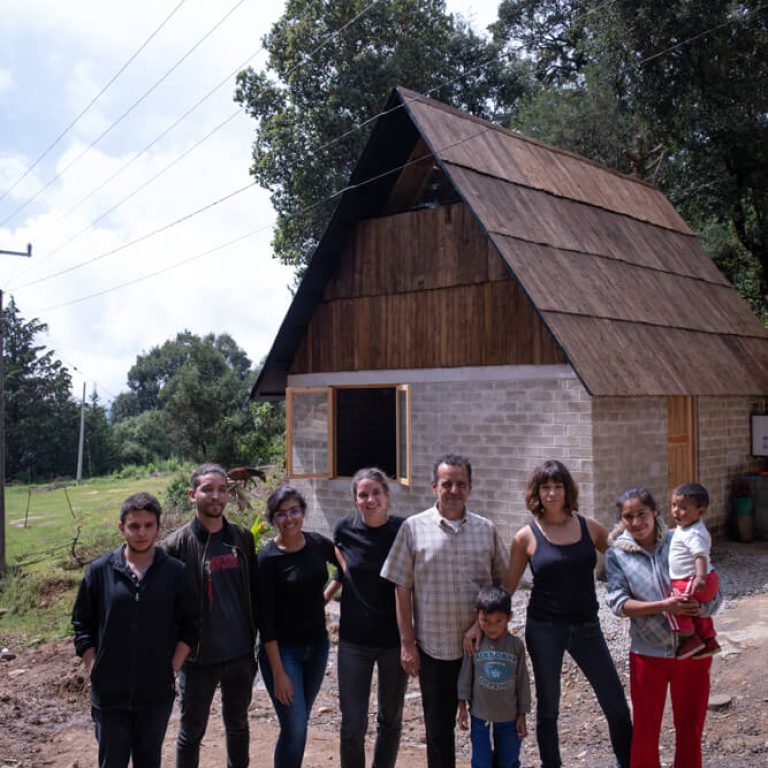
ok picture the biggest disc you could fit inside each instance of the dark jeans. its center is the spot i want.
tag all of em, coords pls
(137, 733)
(438, 680)
(355, 670)
(305, 666)
(197, 684)
(506, 744)
(547, 642)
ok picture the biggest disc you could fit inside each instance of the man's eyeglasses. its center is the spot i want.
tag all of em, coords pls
(284, 514)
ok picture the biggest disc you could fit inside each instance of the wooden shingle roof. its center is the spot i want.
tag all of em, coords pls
(616, 275)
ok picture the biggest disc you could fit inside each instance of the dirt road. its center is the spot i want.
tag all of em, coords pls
(44, 715)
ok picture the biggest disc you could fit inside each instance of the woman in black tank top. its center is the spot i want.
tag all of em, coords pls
(560, 546)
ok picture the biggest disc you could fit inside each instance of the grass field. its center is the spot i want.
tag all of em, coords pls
(51, 533)
(41, 521)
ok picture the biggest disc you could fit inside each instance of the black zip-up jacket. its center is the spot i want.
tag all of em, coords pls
(133, 627)
(189, 544)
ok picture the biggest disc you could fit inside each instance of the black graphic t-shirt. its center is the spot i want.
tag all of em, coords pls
(229, 635)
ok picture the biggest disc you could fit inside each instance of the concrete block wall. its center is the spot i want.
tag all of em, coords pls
(630, 449)
(504, 420)
(724, 439)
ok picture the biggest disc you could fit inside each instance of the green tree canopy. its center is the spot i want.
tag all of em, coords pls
(41, 419)
(681, 89)
(189, 398)
(154, 369)
(329, 72)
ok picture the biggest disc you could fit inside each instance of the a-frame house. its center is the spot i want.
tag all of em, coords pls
(481, 292)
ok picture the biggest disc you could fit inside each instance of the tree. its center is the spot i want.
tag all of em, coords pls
(144, 438)
(154, 369)
(189, 398)
(100, 455)
(330, 72)
(687, 95)
(204, 402)
(41, 419)
(708, 101)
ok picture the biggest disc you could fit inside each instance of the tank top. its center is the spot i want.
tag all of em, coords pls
(563, 579)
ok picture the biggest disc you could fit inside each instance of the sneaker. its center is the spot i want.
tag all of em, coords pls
(690, 646)
(711, 647)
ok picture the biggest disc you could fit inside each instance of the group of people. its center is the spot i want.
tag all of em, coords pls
(426, 596)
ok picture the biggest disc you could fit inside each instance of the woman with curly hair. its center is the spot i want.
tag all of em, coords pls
(561, 546)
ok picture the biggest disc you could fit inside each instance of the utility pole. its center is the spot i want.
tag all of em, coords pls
(27, 253)
(81, 441)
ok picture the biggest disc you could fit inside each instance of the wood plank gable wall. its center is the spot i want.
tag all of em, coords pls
(423, 289)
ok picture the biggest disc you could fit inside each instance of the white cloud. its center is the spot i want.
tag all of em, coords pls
(6, 80)
(56, 57)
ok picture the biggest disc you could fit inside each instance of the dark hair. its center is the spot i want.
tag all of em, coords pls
(697, 493)
(370, 473)
(138, 502)
(281, 494)
(452, 460)
(493, 600)
(643, 495)
(551, 471)
(206, 469)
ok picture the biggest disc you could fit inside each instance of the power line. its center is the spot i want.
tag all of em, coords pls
(162, 135)
(320, 45)
(736, 19)
(134, 158)
(138, 189)
(165, 269)
(125, 114)
(91, 102)
(70, 365)
(135, 241)
(311, 153)
(317, 203)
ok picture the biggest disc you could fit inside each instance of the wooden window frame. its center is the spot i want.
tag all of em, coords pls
(290, 393)
(402, 400)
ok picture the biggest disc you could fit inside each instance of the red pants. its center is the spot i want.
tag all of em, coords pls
(703, 626)
(688, 681)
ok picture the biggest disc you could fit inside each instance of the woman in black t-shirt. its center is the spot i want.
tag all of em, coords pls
(293, 571)
(368, 633)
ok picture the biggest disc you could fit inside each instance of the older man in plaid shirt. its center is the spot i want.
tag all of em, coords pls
(439, 561)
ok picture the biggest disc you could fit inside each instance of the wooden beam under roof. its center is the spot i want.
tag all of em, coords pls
(410, 183)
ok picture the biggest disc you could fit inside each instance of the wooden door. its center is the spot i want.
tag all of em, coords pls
(681, 438)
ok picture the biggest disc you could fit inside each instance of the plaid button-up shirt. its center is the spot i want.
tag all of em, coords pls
(445, 567)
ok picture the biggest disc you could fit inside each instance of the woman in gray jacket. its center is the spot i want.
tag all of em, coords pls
(639, 588)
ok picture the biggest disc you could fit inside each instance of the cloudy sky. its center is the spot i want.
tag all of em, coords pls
(135, 193)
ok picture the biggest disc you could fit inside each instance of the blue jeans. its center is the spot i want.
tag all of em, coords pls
(197, 684)
(506, 744)
(547, 642)
(438, 680)
(137, 733)
(355, 670)
(305, 666)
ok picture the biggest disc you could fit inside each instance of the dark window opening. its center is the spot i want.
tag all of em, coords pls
(366, 430)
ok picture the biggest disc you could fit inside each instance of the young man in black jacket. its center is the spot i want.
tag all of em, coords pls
(222, 558)
(135, 621)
